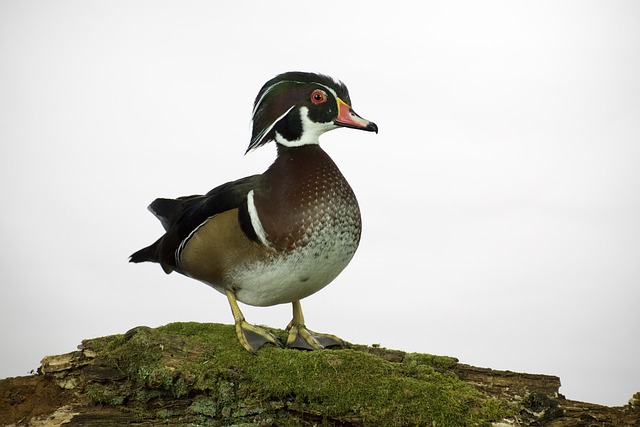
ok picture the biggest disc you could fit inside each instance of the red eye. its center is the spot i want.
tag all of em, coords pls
(318, 96)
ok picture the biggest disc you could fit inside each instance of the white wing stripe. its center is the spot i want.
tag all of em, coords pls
(183, 244)
(255, 220)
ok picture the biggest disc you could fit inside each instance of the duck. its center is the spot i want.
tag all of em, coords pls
(276, 237)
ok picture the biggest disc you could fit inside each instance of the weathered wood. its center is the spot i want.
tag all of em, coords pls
(175, 376)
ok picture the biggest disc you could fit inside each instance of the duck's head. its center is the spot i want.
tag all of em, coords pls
(295, 108)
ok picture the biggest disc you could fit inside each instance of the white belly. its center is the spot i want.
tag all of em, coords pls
(294, 276)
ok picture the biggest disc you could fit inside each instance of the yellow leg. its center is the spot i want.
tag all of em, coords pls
(302, 338)
(250, 337)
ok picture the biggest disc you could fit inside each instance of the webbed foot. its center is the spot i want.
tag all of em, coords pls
(302, 338)
(251, 337)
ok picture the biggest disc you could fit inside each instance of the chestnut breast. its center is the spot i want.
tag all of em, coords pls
(305, 200)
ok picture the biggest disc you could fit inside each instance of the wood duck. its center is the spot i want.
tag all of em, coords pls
(281, 236)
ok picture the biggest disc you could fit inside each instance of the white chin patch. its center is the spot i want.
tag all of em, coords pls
(311, 131)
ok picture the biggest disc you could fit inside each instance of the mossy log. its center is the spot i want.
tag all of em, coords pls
(196, 374)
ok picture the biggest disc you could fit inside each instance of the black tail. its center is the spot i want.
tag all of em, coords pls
(165, 210)
(146, 254)
(150, 253)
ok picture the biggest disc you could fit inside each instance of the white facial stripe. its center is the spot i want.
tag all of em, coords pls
(311, 131)
(270, 88)
(266, 92)
(333, 92)
(255, 220)
(268, 129)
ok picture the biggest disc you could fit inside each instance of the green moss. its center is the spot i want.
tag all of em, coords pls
(164, 414)
(205, 361)
(102, 394)
(206, 407)
(440, 363)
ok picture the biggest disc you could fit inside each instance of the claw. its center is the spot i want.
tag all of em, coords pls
(252, 337)
(302, 338)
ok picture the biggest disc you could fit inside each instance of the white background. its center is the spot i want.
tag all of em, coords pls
(500, 200)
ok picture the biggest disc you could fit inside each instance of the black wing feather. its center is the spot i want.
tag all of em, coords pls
(181, 216)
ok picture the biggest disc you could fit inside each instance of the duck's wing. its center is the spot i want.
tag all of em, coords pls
(182, 216)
